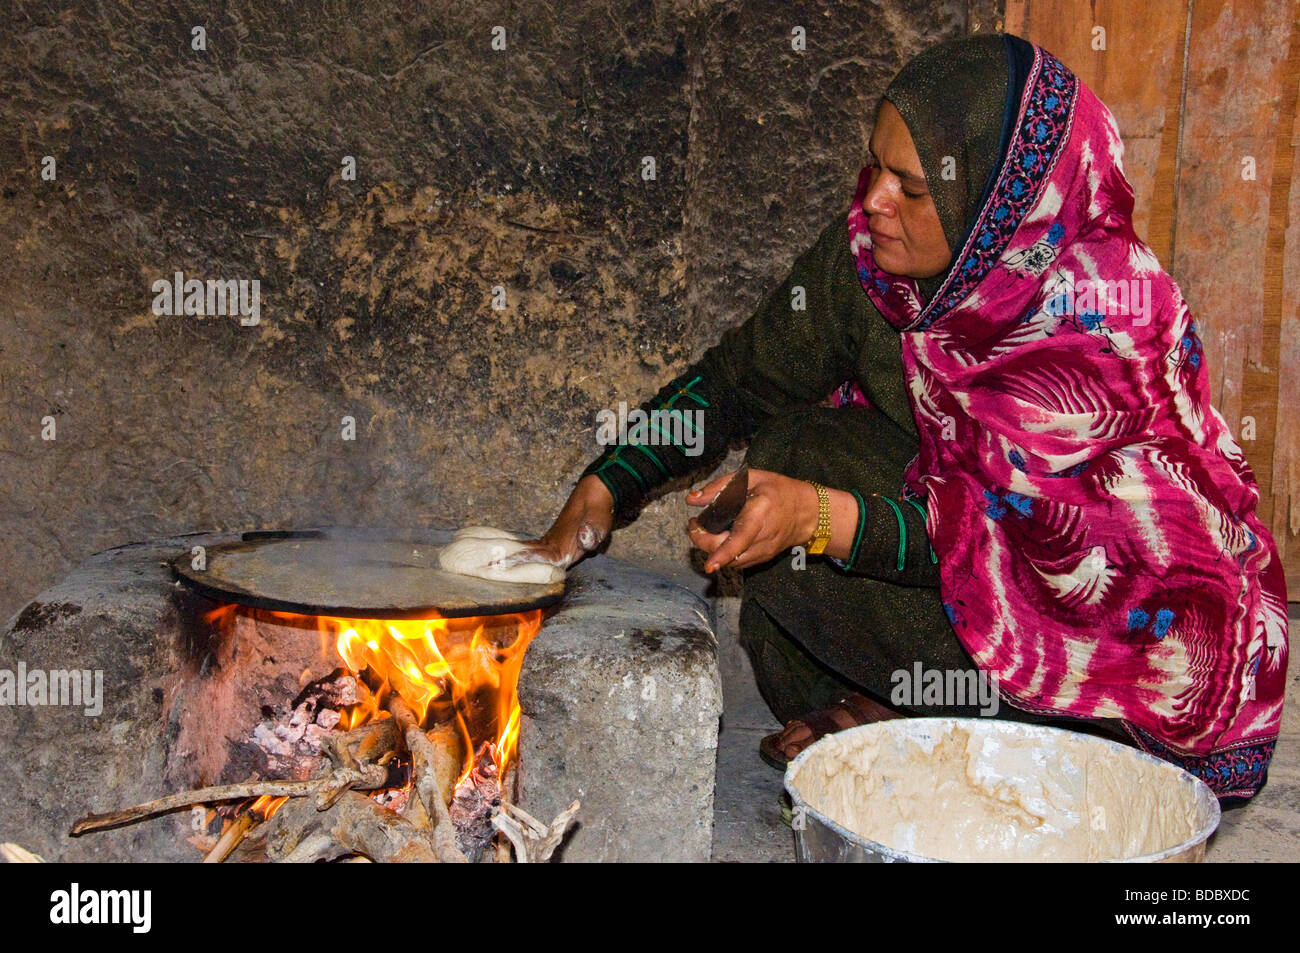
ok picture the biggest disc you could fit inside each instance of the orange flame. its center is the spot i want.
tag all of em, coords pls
(447, 670)
(462, 671)
(264, 807)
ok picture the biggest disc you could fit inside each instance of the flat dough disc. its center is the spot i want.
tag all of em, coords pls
(478, 551)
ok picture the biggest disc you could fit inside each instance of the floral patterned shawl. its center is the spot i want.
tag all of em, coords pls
(1093, 517)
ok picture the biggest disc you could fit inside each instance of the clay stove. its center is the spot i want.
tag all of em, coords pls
(617, 694)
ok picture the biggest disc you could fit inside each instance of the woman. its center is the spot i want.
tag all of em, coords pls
(1023, 474)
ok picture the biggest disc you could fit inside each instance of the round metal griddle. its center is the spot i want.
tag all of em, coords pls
(358, 574)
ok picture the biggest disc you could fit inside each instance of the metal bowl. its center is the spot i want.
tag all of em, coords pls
(820, 838)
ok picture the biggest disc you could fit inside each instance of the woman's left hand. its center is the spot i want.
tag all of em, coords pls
(781, 513)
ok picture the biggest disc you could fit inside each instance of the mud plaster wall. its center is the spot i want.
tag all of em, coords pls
(475, 168)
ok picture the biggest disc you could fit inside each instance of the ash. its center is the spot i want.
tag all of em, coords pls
(291, 735)
(477, 799)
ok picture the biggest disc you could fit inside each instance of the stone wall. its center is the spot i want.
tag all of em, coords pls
(475, 168)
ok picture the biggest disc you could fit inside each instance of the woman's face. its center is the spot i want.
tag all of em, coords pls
(906, 235)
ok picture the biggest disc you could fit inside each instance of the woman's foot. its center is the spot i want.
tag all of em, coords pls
(780, 748)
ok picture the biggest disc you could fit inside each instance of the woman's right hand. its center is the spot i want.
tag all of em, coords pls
(578, 531)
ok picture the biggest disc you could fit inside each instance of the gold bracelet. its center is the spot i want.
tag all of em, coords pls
(821, 536)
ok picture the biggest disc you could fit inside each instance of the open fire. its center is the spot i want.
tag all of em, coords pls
(449, 671)
(458, 675)
(398, 741)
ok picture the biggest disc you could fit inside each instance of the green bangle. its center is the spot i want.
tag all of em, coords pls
(862, 524)
(924, 517)
(902, 532)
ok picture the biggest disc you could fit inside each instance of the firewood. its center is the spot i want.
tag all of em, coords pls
(534, 842)
(172, 802)
(231, 838)
(449, 759)
(431, 764)
(367, 778)
(375, 741)
(401, 712)
(434, 757)
(355, 824)
(14, 854)
(337, 821)
(503, 845)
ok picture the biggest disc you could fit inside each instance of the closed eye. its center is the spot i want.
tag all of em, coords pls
(903, 176)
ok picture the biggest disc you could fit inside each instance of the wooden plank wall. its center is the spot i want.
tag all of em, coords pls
(1205, 94)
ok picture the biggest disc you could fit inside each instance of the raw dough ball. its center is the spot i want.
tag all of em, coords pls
(479, 550)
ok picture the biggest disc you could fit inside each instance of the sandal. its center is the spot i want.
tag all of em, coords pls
(860, 709)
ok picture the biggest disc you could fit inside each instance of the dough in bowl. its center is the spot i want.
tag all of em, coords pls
(479, 551)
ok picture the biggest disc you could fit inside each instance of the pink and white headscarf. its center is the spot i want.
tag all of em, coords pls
(1093, 517)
